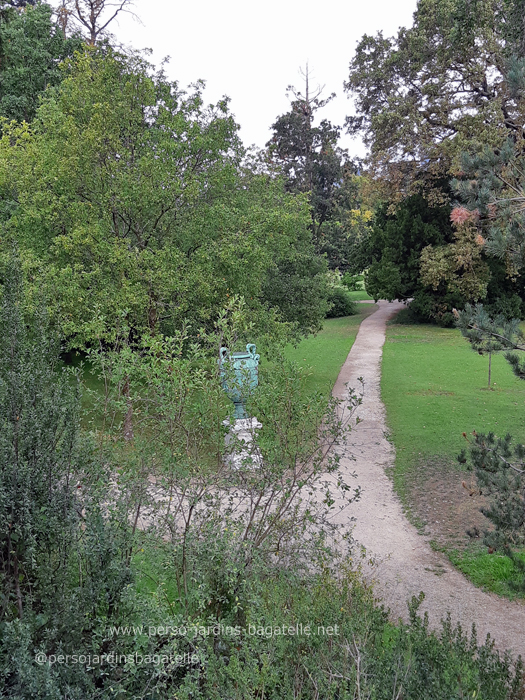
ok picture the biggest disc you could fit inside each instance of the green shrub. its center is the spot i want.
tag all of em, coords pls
(341, 303)
(510, 306)
(430, 306)
(405, 317)
(352, 282)
(337, 627)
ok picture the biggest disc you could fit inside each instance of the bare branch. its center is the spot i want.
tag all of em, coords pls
(92, 15)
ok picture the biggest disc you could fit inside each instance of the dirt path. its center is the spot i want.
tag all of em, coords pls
(407, 564)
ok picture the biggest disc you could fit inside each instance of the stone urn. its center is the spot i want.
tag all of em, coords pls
(239, 375)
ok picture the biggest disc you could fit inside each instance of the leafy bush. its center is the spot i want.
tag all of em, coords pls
(63, 553)
(510, 306)
(341, 303)
(340, 641)
(431, 306)
(405, 317)
(352, 282)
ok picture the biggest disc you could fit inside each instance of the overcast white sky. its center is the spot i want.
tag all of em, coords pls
(253, 51)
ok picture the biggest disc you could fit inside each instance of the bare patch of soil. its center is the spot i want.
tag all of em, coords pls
(445, 504)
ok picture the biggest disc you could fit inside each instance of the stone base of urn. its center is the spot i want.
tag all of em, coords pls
(241, 450)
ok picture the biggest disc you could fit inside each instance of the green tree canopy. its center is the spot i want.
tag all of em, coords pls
(441, 86)
(311, 161)
(31, 50)
(129, 203)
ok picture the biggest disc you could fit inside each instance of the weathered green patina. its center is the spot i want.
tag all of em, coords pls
(239, 375)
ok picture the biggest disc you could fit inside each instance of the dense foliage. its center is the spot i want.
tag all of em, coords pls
(391, 255)
(129, 204)
(63, 560)
(31, 50)
(440, 87)
(311, 161)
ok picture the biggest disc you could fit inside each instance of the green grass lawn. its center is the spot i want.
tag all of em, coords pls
(326, 352)
(435, 388)
(359, 295)
(492, 572)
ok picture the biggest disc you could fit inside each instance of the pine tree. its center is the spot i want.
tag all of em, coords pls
(499, 465)
(313, 163)
(493, 187)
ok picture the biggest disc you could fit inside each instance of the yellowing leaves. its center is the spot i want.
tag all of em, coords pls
(360, 216)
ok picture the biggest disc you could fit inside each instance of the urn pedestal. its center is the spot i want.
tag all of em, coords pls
(239, 376)
(241, 443)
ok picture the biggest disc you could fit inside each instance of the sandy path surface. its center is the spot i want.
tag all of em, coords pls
(407, 564)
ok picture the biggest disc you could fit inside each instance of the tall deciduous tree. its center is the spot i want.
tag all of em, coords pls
(128, 197)
(437, 87)
(92, 17)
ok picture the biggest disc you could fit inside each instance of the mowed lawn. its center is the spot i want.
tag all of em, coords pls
(359, 295)
(435, 389)
(324, 354)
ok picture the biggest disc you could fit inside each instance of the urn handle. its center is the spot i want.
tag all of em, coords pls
(250, 348)
(223, 354)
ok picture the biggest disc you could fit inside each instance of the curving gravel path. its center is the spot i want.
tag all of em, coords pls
(406, 563)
